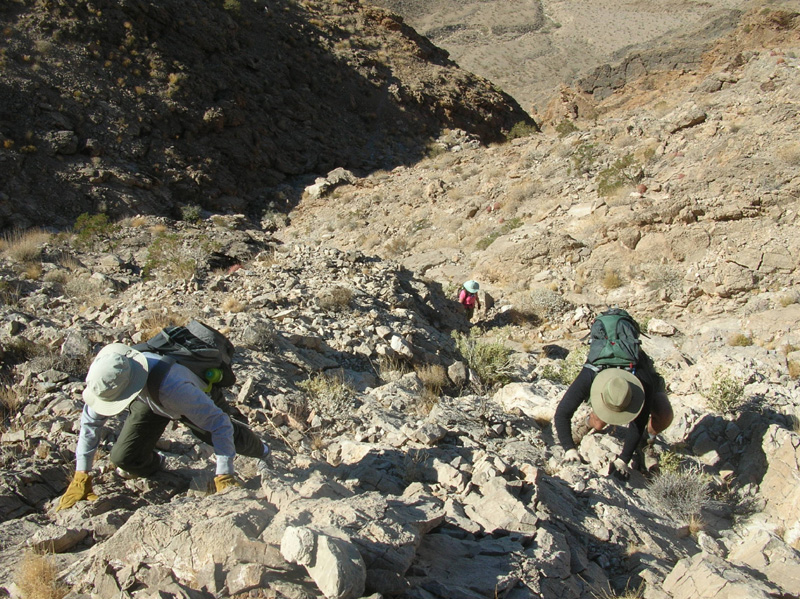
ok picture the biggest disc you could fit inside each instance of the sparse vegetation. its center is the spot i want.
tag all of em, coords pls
(329, 395)
(164, 255)
(624, 171)
(91, 228)
(335, 299)
(628, 593)
(565, 127)
(583, 159)
(522, 129)
(726, 393)
(565, 371)
(739, 340)
(191, 213)
(679, 495)
(611, 279)
(506, 228)
(434, 379)
(669, 462)
(24, 246)
(232, 304)
(37, 578)
(489, 360)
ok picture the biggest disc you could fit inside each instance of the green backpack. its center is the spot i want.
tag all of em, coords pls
(614, 340)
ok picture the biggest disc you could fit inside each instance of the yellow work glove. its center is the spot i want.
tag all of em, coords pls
(223, 481)
(79, 489)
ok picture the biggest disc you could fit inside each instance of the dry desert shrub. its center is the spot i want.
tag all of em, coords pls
(329, 395)
(739, 340)
(232, 304)
(335, 299)
(24, 246)
(434, 379)
(611, 279)
(679, 495)
(726, 393)
(793, 368)
(84, 288)
(155, 321)
(37, 578)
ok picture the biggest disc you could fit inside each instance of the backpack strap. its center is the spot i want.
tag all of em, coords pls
(156, 376)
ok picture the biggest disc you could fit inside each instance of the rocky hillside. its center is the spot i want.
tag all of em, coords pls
(401, 459)
(530, 48)
(129, 107)
(413, 451)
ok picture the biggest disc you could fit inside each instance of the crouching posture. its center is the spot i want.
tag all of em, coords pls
(617, 397)
(622, 385)
(118, 380)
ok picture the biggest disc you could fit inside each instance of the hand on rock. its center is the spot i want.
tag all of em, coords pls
(224, 481)
(620, 470)
(79, 489)
(571, 457)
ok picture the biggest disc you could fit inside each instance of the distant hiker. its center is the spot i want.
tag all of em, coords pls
(122, 377)
(622, 385)
(468, 297)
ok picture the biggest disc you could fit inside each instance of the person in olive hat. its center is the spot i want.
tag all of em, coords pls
(116, 381)
(617, 396)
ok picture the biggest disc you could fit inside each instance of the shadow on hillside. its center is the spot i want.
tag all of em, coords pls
(219, 107)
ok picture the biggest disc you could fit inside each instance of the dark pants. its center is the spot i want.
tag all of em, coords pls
(134, 450)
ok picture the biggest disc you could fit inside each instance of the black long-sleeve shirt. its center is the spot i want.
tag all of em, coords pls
(578, 392)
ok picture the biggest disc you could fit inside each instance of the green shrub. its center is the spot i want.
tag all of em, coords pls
(565, 127)
(191, 213)
(565, 371)
(506, 228)
(165, 256)
(669, 462)
(624, 171)
(739, 340)
(490, 361)
(726, 394)
(583, 158)
(90, 228)
(522, 129)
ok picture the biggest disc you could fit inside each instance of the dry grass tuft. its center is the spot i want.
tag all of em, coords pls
(37, 578)
(611, 280)
(739, 340)
(152, 324)
(231, 304)
(24, 246)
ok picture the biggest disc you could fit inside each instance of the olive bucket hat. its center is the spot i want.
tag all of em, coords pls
(472, 286)
(115, 378)
(617, 396)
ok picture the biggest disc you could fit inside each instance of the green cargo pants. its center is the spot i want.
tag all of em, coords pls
(134, 450)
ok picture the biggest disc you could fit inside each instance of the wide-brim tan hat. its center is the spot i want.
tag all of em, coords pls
(617, 396)
(115, 378)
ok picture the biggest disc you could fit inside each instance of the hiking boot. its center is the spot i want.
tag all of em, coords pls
(125, 475)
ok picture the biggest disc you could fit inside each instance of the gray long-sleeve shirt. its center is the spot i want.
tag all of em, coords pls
(180, 396)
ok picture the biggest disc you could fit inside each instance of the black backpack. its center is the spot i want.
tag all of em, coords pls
(198, 347)
(614, 340)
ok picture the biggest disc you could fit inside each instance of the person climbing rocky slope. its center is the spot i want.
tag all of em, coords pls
(401, 459)
(414, 453)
